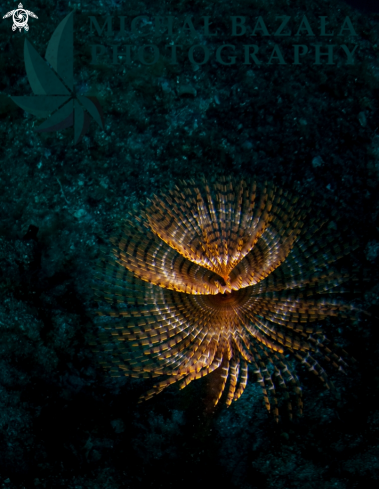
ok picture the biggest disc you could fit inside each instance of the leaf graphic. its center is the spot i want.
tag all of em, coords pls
(94, 108)
(41, 77)
(60, 50)
(55, 97)
(61, 119)
(81, 124)
(40, 106)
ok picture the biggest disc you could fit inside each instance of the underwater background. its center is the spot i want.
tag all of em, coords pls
(308, 127)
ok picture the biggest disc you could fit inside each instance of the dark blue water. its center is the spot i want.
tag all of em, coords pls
(369, 6)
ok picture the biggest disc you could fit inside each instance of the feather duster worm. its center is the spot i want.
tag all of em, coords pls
(224, 275)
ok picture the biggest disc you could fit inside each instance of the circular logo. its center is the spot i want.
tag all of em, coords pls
(20, 19)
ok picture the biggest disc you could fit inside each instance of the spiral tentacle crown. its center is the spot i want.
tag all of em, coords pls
(221, 275)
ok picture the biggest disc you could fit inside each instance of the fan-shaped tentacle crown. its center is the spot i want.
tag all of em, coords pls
(221, 274)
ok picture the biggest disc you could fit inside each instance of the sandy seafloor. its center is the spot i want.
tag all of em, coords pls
(63, 424)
